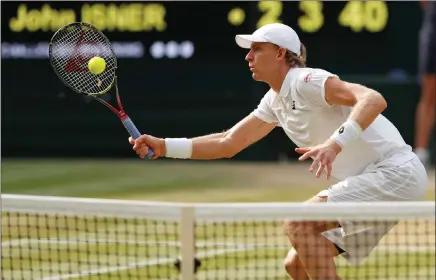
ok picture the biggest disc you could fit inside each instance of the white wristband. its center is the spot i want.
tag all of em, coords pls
(178, 148)
(348, 132)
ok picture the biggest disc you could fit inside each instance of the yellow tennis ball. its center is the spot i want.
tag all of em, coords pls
(96, 65)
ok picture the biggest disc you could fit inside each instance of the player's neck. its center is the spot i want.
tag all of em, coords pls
(276, 80)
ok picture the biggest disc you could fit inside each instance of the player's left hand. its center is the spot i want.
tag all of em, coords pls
(324, 156)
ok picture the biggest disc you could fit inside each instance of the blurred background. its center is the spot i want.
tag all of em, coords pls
(181, 74)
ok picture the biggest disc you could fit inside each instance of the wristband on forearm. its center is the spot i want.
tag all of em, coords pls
(348, 132)
(178, 148)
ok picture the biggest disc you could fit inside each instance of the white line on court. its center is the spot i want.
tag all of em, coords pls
(64, 241)
(229, 248)
(78, 241)
(144, 263)
(199, 244)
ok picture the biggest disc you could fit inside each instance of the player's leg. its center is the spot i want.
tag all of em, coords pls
(312, 256)
(293, 265)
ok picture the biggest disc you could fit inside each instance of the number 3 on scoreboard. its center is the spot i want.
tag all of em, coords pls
(313, 19)
(371, 15)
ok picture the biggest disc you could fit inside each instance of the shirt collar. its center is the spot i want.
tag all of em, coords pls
(286, 86)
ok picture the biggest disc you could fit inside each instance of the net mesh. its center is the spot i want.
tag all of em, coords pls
(69, 238)
(70, 51)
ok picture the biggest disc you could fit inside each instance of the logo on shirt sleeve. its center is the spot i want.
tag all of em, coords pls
(307, 78)
(341, 130)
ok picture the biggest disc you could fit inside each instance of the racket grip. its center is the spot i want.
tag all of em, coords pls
(134, 132)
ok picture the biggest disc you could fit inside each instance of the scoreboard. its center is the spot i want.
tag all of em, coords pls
(371, 16)
(345, 36)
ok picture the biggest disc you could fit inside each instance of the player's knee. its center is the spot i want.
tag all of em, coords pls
(294, 268)
(291, 266)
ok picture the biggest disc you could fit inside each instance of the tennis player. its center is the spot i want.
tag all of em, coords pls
(424, 121)
(336, 123)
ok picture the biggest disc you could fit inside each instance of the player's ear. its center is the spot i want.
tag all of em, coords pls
(281, 53)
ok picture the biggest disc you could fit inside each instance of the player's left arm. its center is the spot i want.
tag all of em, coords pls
(367, 103)
(323, 89)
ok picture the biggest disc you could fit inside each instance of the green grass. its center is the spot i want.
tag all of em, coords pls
(166, 180)
(63, 250)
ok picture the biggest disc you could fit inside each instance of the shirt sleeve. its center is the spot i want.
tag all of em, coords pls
(310, 86)
(264, 111)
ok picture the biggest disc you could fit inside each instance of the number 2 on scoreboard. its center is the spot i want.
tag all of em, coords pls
(273, 10)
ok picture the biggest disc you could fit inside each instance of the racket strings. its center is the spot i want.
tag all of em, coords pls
(71, 50)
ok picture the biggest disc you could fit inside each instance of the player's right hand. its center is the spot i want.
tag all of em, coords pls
(146, 142)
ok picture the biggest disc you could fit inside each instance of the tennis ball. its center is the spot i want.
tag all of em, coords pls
(96, 65)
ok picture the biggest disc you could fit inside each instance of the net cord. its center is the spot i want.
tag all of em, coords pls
(208, 212)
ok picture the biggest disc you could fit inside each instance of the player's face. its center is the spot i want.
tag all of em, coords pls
(262, 60)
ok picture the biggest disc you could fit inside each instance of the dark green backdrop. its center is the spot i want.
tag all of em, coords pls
(208, 92)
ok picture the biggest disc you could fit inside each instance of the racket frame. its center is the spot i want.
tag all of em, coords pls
(126, 121)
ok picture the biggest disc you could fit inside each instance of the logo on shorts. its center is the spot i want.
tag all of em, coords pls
(341, 130)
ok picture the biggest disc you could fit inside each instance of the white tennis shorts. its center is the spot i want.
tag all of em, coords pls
(401, 179)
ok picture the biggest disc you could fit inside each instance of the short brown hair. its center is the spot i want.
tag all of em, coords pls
(295, 60)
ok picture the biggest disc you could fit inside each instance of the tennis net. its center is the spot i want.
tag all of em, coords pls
(48, 238)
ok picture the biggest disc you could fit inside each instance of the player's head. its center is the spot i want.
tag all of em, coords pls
(272, 47)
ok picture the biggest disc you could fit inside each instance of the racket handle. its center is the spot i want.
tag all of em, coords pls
(134, 132)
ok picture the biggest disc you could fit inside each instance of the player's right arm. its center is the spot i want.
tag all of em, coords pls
(245, 133)
(215, 146)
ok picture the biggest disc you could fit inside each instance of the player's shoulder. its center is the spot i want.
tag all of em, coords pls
(310, 85)
(308, 74)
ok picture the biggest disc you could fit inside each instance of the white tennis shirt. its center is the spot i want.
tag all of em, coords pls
(302, 111)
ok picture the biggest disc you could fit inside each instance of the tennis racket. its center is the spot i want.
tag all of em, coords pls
(70, 50)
